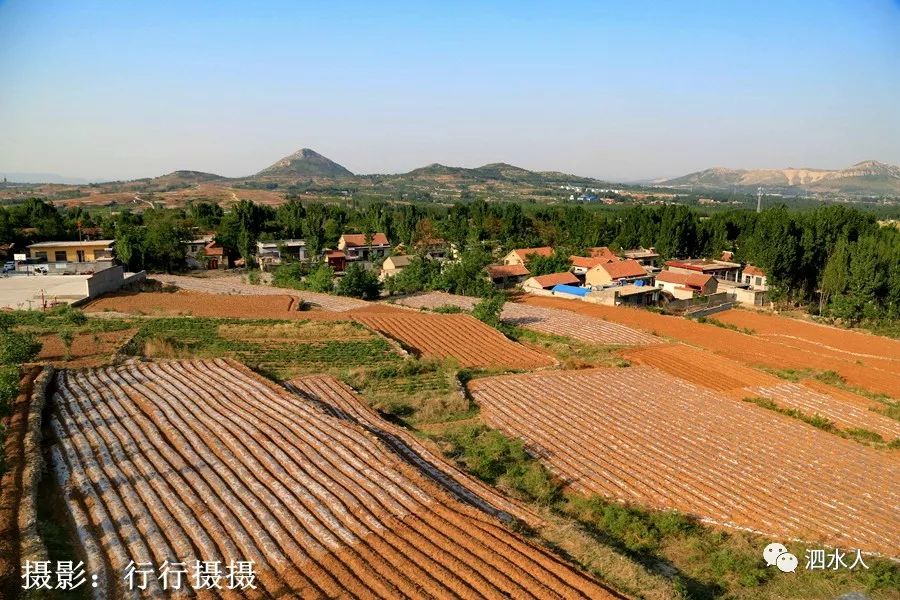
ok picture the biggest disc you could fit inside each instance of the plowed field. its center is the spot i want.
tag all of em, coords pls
(844, 414)
(869, 372)
(201, 304)
(544, 320)
(461, 337)
(233, 285)
(204, 459)
(640, 435)
(778, 328)
(87, 349)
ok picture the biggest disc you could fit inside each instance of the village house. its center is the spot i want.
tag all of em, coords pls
(755, 278)
(683, 285)
(394, 264)
(601, 252)
(336, 259)
(720, 269)
(582, 264)
(520, 255)
(645, 257)
(356, 247)
(273, 252)
(619, 272)
(546, 282)
(74, 257)
(213, 257)
(506, 274)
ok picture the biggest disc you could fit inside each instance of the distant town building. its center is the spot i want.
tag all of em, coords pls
(336, 259)
(273, 252)
(394, 264)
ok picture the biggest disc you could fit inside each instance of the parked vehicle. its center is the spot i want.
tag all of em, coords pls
(9, 266)
(41, 270)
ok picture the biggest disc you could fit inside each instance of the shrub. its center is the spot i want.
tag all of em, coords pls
(17, 348)
(359, 282)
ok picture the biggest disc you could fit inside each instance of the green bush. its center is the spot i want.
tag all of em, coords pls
(359, 282)
(17, 348)
(499, 460)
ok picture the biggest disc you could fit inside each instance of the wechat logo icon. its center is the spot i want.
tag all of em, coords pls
(778, 555)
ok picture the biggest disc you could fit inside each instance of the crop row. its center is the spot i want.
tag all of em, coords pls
(204, 459)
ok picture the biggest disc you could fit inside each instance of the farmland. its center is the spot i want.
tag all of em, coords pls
(462, 338)
(543, 320)
(639, 435)
(281, 349)
(324, 509)
(871, 372)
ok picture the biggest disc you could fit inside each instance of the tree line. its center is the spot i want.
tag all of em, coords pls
(835, 259)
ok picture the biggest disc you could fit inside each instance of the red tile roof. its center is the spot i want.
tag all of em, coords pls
(546, 281)
(623, 268)
(498, 271)
(359, 239)
(601, 251)
(524, 253)
(694, 280)
(336, 254)
(755, 271)
(590, 261)
(213, 249)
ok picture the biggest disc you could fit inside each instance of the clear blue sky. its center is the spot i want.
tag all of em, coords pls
(621, 90)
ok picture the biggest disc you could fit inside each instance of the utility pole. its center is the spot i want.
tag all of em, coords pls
(759, 199)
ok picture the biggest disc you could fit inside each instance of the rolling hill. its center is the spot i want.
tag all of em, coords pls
(865, 178)
(304, 163)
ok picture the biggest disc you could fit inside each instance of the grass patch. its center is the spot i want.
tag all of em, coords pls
(857, 434)
(723, 325)
(280, 358)
(571, 354)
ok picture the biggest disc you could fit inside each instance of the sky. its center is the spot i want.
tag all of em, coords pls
(617, 90)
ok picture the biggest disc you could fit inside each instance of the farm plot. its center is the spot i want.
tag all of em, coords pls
(460, 337)
(544, 320)
(871, 373)
(205, 460)
(777, 327)
(701, 367)
(844, 414)
(233, 285)
(640, 435)
(87, 348)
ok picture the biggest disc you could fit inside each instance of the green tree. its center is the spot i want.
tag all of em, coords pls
(359, 282)
(321, 279)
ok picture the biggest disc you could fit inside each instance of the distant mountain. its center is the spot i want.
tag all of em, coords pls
(305, 163)
(865, 178)
(41, 178)
(495, 172)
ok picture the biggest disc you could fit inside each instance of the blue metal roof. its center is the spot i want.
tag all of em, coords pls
(570, 289)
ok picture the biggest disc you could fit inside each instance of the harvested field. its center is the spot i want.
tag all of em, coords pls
(777, 327)
(223, 465)
(640, 435)
(88, 349)
(543, 320)
(460, 337)
(875, 374)
(233, 285)
(844, 414)
(200, 304)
